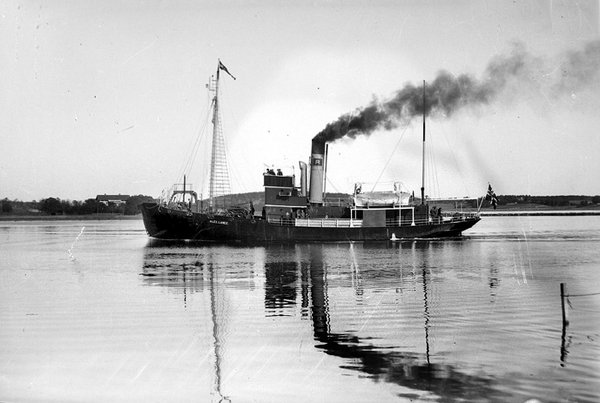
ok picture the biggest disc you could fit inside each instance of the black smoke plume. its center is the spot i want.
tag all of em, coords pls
(448, 93)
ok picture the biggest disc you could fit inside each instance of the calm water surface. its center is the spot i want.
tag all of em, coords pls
(93, 311)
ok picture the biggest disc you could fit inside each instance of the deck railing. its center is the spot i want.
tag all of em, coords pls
(317, 222)
(327, 222)
(348, 223)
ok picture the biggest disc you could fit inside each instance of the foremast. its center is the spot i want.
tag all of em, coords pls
(219, 185)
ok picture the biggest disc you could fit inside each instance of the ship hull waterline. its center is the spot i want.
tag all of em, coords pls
(169, 224)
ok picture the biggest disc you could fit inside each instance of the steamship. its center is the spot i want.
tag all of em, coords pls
(301, 213)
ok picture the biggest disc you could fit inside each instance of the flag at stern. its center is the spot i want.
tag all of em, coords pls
(491, 196)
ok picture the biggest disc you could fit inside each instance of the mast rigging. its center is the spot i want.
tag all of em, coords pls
(219, 173)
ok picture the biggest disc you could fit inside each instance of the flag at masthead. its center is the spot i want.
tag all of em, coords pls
(222, 67)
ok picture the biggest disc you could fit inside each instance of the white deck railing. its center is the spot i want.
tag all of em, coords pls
(317, 222)
(327, 222)
(348, 223)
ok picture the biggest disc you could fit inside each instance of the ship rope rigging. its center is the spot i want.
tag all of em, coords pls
(432, 177)
(392, 154)
(430, 171)
(230, 116)
(195, 144)
(216, 152)
(219, 185)
(456, 164)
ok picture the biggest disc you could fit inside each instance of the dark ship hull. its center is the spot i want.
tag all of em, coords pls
(165, 223)
(294, 213)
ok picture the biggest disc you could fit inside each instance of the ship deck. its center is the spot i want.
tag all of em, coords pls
(357, 223)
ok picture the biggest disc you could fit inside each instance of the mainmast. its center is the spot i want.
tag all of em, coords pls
(219, 173)
(423, 159)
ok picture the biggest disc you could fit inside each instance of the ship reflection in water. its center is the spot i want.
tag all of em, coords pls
(115, 318)
(412, 369)
(420, 317)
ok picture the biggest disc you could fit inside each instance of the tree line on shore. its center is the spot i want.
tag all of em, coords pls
(552, 201)
(56, 206)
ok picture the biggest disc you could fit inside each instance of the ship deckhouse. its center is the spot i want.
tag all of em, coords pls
(283, 201)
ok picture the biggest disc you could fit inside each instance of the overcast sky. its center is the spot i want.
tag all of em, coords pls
(109, 96)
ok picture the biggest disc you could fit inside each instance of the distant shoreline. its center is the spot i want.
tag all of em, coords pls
(539, 213)
(119, 217)
(87, 217)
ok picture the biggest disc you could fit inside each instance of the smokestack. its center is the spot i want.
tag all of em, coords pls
(303, 176)
(325, 170)
(316, 171)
